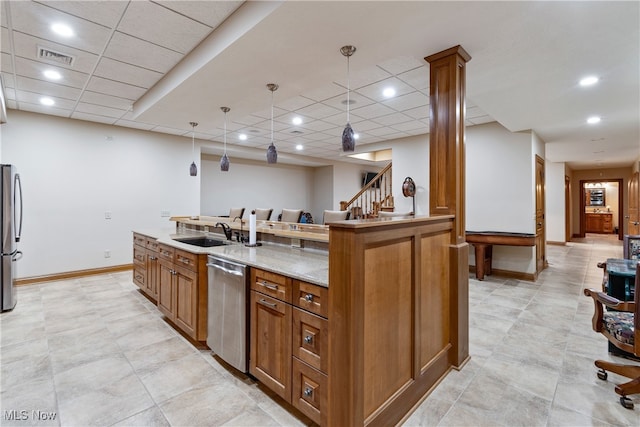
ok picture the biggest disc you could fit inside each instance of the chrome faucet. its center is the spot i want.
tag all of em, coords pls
(225, 228)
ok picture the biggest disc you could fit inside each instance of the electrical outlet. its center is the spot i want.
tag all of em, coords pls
(107, 215)
(165, 214)
(107, 253)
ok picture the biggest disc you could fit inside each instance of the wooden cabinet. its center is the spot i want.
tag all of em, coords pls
(599, 223)
(145, 264)
(182, 290)
(289, 340)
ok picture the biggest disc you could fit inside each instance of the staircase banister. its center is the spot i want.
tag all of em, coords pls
(345, 205)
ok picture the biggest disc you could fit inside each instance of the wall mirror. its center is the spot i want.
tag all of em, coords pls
(594, 197)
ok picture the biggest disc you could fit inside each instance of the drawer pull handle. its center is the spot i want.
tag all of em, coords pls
(269, 286)
(184, 260)
(268, 304)
(308, 339)
(152, 258)
(308, 297)
(308, 392)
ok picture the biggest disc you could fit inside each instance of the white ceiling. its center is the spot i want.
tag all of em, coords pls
(158, 65)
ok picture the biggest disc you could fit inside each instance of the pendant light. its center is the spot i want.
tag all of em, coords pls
(193, 170)
(348, 140)
(224, 161)
(272, 154)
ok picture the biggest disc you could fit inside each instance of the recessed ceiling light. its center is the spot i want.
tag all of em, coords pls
(242, 137)
(593, 120)
(389, 92)
(297, 121)
(588, 81)
(299, 147)
(52, 75)
(62, 30)
(47, 101)
(356, 136)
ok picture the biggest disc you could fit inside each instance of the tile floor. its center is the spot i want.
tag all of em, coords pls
(94, 351)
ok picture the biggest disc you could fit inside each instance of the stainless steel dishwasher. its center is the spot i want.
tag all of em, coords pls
(227, 312)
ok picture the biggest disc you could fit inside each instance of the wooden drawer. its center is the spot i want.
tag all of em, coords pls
(139, 239)
(140, 276)
(166, 252)
(139, 256)
(313, 298)
(186, 259)
(309, 391)
(272, 284)
(151, 244)
(309, 341)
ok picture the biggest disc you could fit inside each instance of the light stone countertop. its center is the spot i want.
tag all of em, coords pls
(309, 265)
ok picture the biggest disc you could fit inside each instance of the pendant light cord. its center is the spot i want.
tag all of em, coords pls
(272, 116)
(348, 88)
(193, 142)
(225, 132)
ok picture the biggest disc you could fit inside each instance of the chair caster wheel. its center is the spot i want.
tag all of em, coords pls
(602, 374)
(626, 402)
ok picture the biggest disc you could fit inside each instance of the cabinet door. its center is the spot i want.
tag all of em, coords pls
(153, 272)
(166, 292)
(186, 308)
(271, 343)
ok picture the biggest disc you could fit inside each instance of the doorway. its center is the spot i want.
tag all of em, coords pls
(593, 200)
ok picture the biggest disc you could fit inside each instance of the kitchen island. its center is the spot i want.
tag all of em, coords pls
(364, 350)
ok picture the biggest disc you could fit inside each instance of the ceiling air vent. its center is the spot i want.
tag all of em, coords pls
(57, 57)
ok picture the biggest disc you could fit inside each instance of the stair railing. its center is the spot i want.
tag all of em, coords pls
(375, 196)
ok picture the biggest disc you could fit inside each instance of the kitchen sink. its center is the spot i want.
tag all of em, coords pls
(205, 242)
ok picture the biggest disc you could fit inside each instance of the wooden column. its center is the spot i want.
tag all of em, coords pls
(447, 179)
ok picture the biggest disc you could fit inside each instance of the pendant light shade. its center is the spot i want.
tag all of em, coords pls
(193, 169)
(224, 161)
(348, 139)
(272, 153)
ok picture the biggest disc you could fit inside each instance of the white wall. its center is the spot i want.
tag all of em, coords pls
(555, 204)
(254, 184)
(72, 174)
(499, 185)
(411, 159)
(347, 181)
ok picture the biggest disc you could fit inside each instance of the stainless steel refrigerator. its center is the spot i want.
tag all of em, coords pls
(11, 196)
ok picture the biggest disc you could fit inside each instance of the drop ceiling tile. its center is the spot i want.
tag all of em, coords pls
(401, 64)
(8, 81)
(110, 87)
(84, 61)
(340, 119)
(340, 102)
(106, 100)
(43, 109)
(9, 94)
(106, 13)
(34, 98)
(417, 78)
(317, 125)
(93, 118)
(36, 19)
(100, 110)
(47, 88)
(318, 111)
(4, 39)
(407, 102)
(127, 73)
(372, 111)
(161, 26)
(35, 70)
(473, 112)
(213, 15)
(392, 119)
(365, 125)
(374, 91)
(296, 103)
(138, 52)
(359, 78)
(11, 104)
(324, 92)
(386, 132)
(248, 120)
(418, 113)
(411, 126)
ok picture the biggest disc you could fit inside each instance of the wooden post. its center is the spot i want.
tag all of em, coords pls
(447, 180)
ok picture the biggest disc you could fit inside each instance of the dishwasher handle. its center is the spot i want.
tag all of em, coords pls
(225, 269)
